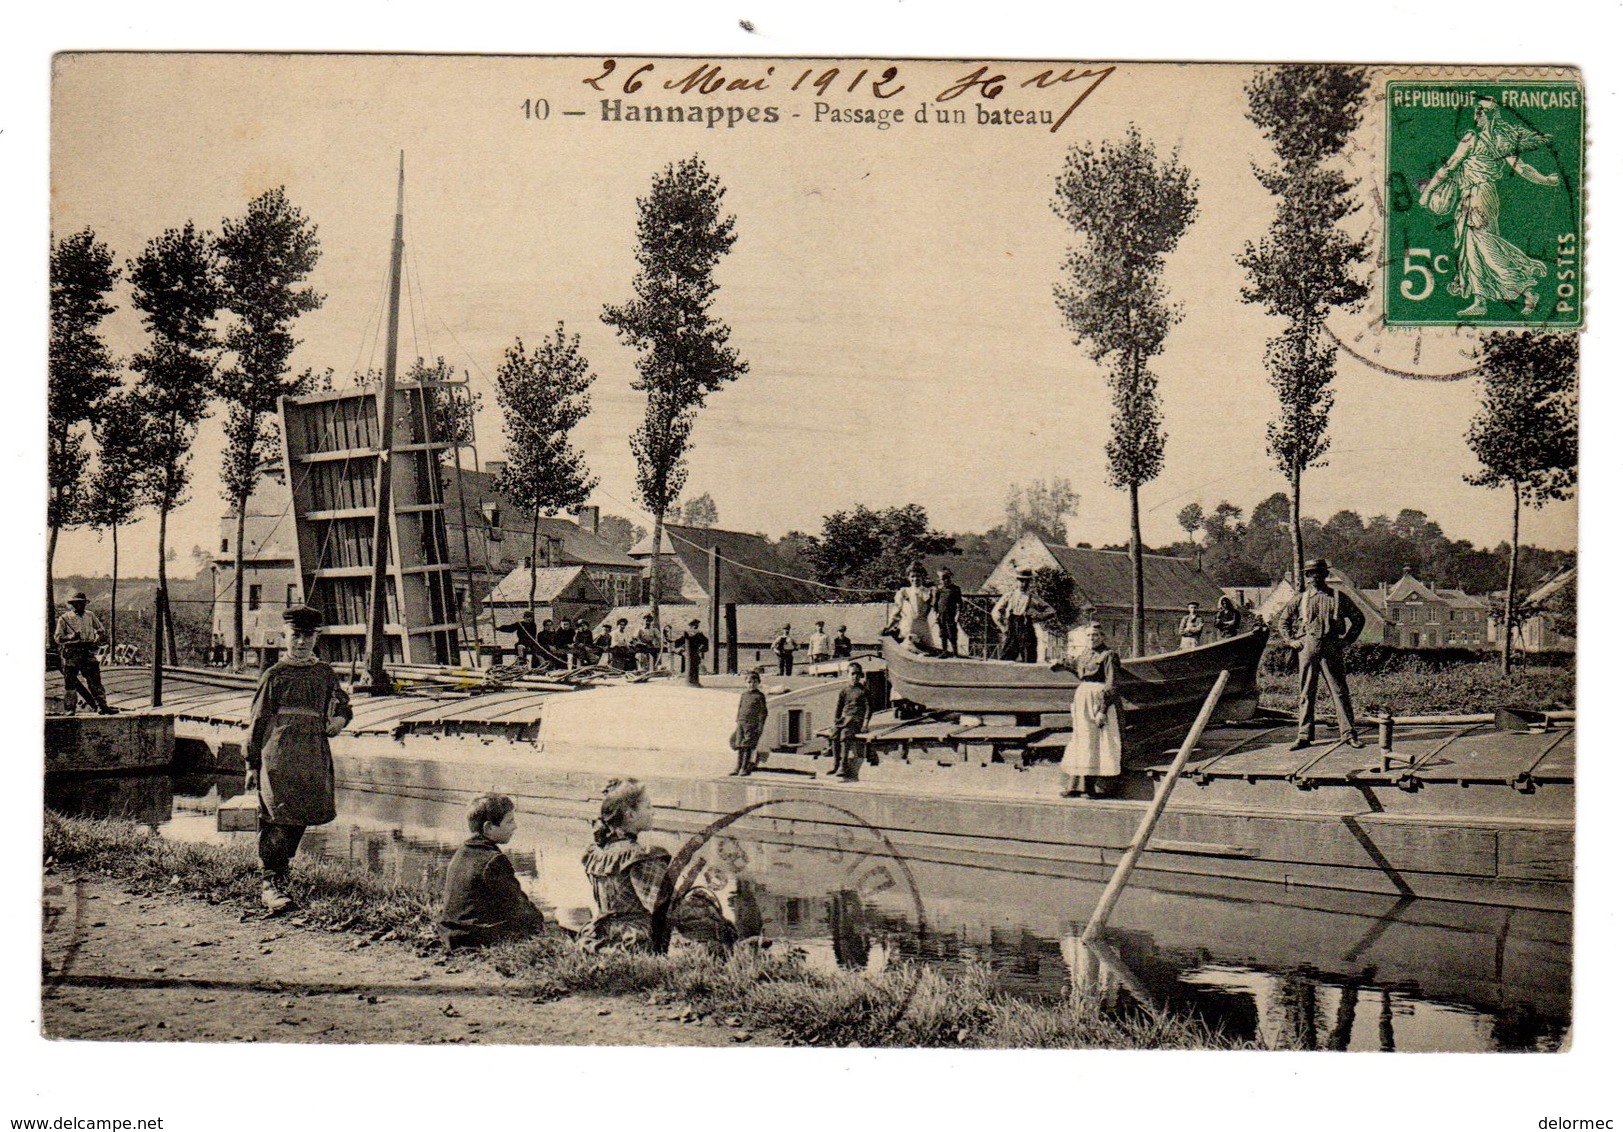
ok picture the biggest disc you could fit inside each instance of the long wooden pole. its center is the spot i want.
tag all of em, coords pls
(467, 551)
(715, 610)
(157, 647)
(1124, 868)
(377, 601)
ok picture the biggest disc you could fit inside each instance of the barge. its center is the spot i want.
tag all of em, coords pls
(1474, 809)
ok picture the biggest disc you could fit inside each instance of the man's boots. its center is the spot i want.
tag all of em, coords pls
(273, 898)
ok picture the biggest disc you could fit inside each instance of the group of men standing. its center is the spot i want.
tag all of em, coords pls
(819, 647)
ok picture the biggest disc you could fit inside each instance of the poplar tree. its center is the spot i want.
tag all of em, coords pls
(1130, 209)
(1526, 435)
(81, 373)
(544, 393)
(700, 511)
(176, 287)
(1190, 518)
(682, 351)
(1303, 265)
(263, 257)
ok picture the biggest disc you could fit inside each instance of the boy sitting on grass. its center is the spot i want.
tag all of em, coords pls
(483, 901)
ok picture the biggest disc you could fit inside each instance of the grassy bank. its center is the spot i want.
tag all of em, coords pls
(903, 1006)
(1465, 689)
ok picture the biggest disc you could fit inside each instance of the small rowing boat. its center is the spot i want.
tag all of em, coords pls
(1156, 691)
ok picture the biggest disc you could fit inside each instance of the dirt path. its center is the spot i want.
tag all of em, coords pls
(123, 966)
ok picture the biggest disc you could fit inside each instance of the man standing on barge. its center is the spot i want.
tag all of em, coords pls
(1016, 615)
(1319, 625)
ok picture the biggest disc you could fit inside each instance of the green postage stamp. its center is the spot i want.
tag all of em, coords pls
(1485, 191)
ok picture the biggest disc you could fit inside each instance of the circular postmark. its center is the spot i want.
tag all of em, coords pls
(864, 865)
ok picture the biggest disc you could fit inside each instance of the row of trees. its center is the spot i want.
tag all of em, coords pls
(218, 313)
(1236, 550)
(868, 549)
(253, 274)
(683, 357)
(1130, 208)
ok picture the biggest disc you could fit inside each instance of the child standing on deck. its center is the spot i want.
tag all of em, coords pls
(483, 901)
(751, 722)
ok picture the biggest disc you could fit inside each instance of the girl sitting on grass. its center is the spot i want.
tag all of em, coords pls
(626, 876)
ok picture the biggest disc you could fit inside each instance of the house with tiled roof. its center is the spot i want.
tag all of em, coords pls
(751, 571)
(487, 538)
(561, 592)
(1422, 616)
(1104, 588)
(1539, 632)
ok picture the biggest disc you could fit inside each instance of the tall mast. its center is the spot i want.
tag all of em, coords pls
(377, 603)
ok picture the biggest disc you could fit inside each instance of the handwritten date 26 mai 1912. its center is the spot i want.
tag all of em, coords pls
(820, 81)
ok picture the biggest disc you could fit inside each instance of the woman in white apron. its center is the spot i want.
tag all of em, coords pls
(1094, 752)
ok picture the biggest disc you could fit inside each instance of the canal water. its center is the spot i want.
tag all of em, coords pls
(1320, 969)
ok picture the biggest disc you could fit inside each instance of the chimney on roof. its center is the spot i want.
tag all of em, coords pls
(587, 518)
(495, 467)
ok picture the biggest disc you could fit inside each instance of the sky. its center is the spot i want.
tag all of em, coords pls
(891, 290)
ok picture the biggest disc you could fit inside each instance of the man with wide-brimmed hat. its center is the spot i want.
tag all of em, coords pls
(299, 704)
(78, 635)
(1016, 615)
(1319, 624)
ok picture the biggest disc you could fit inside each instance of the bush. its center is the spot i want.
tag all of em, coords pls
(1466, 689)
(1279, 659)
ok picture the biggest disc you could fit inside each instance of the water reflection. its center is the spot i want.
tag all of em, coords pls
(1331, 971)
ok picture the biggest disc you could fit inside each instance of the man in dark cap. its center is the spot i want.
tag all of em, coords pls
(528, 643)
(1319, 624)
(783, 647)
(78, 635)
(694, 645)
(298, 705)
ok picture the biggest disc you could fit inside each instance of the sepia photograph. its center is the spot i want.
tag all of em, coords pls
(804, 556)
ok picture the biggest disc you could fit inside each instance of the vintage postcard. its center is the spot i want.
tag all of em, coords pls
(872, 552)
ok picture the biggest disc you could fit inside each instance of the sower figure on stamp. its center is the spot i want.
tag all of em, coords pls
(1488, 265)
(78, 635)
(1319, 625)
(850, 720)
(298, 705)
